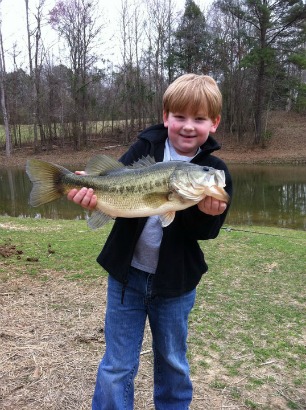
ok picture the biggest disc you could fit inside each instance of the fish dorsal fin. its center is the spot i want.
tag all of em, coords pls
(167, 218)
(143, 162)
(101, 165)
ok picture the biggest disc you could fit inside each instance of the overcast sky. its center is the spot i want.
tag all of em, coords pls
(14, 26)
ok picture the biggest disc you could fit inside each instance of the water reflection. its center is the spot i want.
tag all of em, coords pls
(264, 195)
(15, 188)
(269, 195)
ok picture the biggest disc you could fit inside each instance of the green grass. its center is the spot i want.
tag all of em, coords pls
(247, 329)
(250, 312)
(68, 247)
(27, 131)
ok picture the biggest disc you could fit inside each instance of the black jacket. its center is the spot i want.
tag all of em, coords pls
(181, 261)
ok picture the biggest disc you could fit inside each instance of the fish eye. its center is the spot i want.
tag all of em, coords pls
(205, 169)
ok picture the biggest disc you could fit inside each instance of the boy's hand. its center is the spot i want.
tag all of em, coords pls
(212, 206)
(84, 197)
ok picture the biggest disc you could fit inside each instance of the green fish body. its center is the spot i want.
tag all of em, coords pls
(143, 189)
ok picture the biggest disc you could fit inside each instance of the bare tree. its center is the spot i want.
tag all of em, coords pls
(229, 45)
(270, 22)
(127, 56)
(34, 91)
(159, 29)
(76, 23)
(8, 141)
(133, 88)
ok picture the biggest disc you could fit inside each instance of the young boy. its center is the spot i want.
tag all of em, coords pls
(154, 271)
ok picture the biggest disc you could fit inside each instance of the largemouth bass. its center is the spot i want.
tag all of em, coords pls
(143, 189)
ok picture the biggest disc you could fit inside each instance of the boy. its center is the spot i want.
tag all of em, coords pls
(154, 271)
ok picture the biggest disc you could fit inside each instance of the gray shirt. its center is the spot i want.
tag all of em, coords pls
(147, 248)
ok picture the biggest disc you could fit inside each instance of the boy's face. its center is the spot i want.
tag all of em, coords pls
(187, 132)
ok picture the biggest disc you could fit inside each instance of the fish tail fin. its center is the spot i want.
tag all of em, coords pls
(46, 179)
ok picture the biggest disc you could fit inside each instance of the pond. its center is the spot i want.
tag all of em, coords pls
(270, 195)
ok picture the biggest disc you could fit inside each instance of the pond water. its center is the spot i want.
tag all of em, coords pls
(270, 195)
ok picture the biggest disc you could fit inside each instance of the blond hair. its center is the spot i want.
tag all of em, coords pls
(194, 94)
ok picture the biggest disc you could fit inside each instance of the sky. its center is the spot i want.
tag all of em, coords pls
(13, 25)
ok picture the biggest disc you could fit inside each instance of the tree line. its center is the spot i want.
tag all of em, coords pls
(255, 50)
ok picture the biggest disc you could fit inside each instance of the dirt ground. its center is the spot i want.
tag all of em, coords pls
(52, 340)
(286, 145)
(51, 331)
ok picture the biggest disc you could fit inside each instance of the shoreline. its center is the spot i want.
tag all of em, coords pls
(287, 146)
(255, 156)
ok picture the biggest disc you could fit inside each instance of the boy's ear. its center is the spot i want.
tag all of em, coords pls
(215, 124)
(165, 118)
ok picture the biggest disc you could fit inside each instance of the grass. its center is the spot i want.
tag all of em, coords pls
(250, 313)
(247, 329)
(26, 131)
(69, 247)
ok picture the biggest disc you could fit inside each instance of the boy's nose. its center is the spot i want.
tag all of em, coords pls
(188, 126)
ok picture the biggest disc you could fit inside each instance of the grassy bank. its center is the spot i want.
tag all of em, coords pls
(247, 330)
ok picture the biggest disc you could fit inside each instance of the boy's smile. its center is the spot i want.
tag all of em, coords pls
(188, 132)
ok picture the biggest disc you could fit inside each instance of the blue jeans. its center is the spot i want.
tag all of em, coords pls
(124, 331)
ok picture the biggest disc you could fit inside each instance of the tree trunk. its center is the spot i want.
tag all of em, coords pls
(259, 103)
(34, 96)
(8, 139)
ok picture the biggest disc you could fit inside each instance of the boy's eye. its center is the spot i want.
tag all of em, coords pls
(197, 118)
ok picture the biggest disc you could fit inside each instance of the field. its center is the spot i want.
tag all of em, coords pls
(246, 336)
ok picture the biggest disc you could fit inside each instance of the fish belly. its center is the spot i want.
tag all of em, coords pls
(142, 208)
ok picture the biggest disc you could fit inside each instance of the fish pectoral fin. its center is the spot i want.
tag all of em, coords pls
(167, 218)
(154, 200)
(98, 219)
(101, 165)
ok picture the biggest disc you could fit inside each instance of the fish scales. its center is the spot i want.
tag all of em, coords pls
(134, 189)
(144, 189)
(124, 189)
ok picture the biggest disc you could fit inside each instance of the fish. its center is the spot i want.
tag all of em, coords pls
(143, 189)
